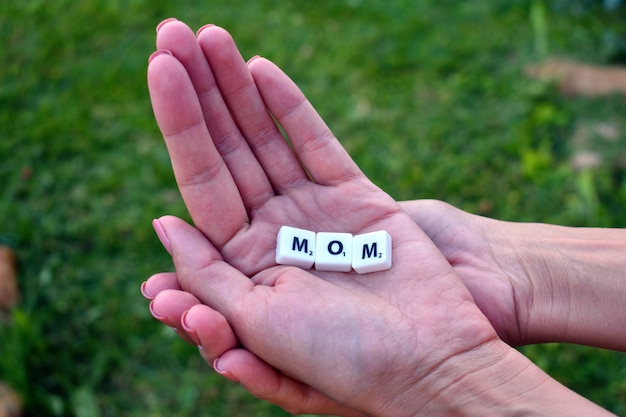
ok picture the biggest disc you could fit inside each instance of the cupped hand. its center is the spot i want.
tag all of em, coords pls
(344, 335)
(332, 333)
(466, 240)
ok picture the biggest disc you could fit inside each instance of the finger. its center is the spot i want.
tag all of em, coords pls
(209, 330)
(203, 178)
(324, 158)
(248, 109)
(265, 382)
(201, 270)
(159, 282)
(168, 307)
(247, 173)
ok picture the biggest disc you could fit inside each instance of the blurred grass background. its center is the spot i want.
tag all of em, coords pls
(428, 96)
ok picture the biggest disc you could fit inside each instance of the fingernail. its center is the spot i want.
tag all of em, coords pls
(160, 25)
(193, 335)
(159, 53)
(144, 291)
(210, 25)
(158, 228)
(154, 313)
(223, 372)
(253, 58)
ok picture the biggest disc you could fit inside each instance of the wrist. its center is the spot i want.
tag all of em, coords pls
(568, 282)
(496, 380)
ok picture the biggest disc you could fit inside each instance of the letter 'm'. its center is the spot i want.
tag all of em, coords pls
(300, 246)
(369, 251)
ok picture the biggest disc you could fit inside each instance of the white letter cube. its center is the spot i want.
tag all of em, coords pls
(371, 252)
(295, 247)
(333, 252)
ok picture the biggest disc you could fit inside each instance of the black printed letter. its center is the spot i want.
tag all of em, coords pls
(339, 247)
(369, 252)
(300, 246)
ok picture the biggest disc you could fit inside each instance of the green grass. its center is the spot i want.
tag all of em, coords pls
(428, 96)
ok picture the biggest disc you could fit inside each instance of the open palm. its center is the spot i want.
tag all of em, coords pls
(238, 176)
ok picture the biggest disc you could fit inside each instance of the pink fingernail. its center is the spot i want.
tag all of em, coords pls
(223, 372)
(210, 25)
(154, 313)
(253, 58)
(159, 53)
(160, 25)
(144, 292)
(158, 228)
(193, 335)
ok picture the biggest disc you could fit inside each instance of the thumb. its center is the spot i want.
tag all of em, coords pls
(200, 267)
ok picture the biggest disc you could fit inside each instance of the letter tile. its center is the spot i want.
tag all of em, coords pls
(295, 247)
(371, 252)
(333, 252)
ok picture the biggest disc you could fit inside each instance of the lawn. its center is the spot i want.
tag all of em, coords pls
(429, 97)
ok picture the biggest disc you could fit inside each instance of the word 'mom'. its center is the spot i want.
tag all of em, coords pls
(341, 252)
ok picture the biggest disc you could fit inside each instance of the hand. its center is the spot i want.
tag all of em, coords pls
(241, 182)
(461, 236)
(345, 340)
(205, 171)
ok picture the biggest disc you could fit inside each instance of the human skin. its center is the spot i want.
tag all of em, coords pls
(209, 147)
(567, 282)
(586, 260)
